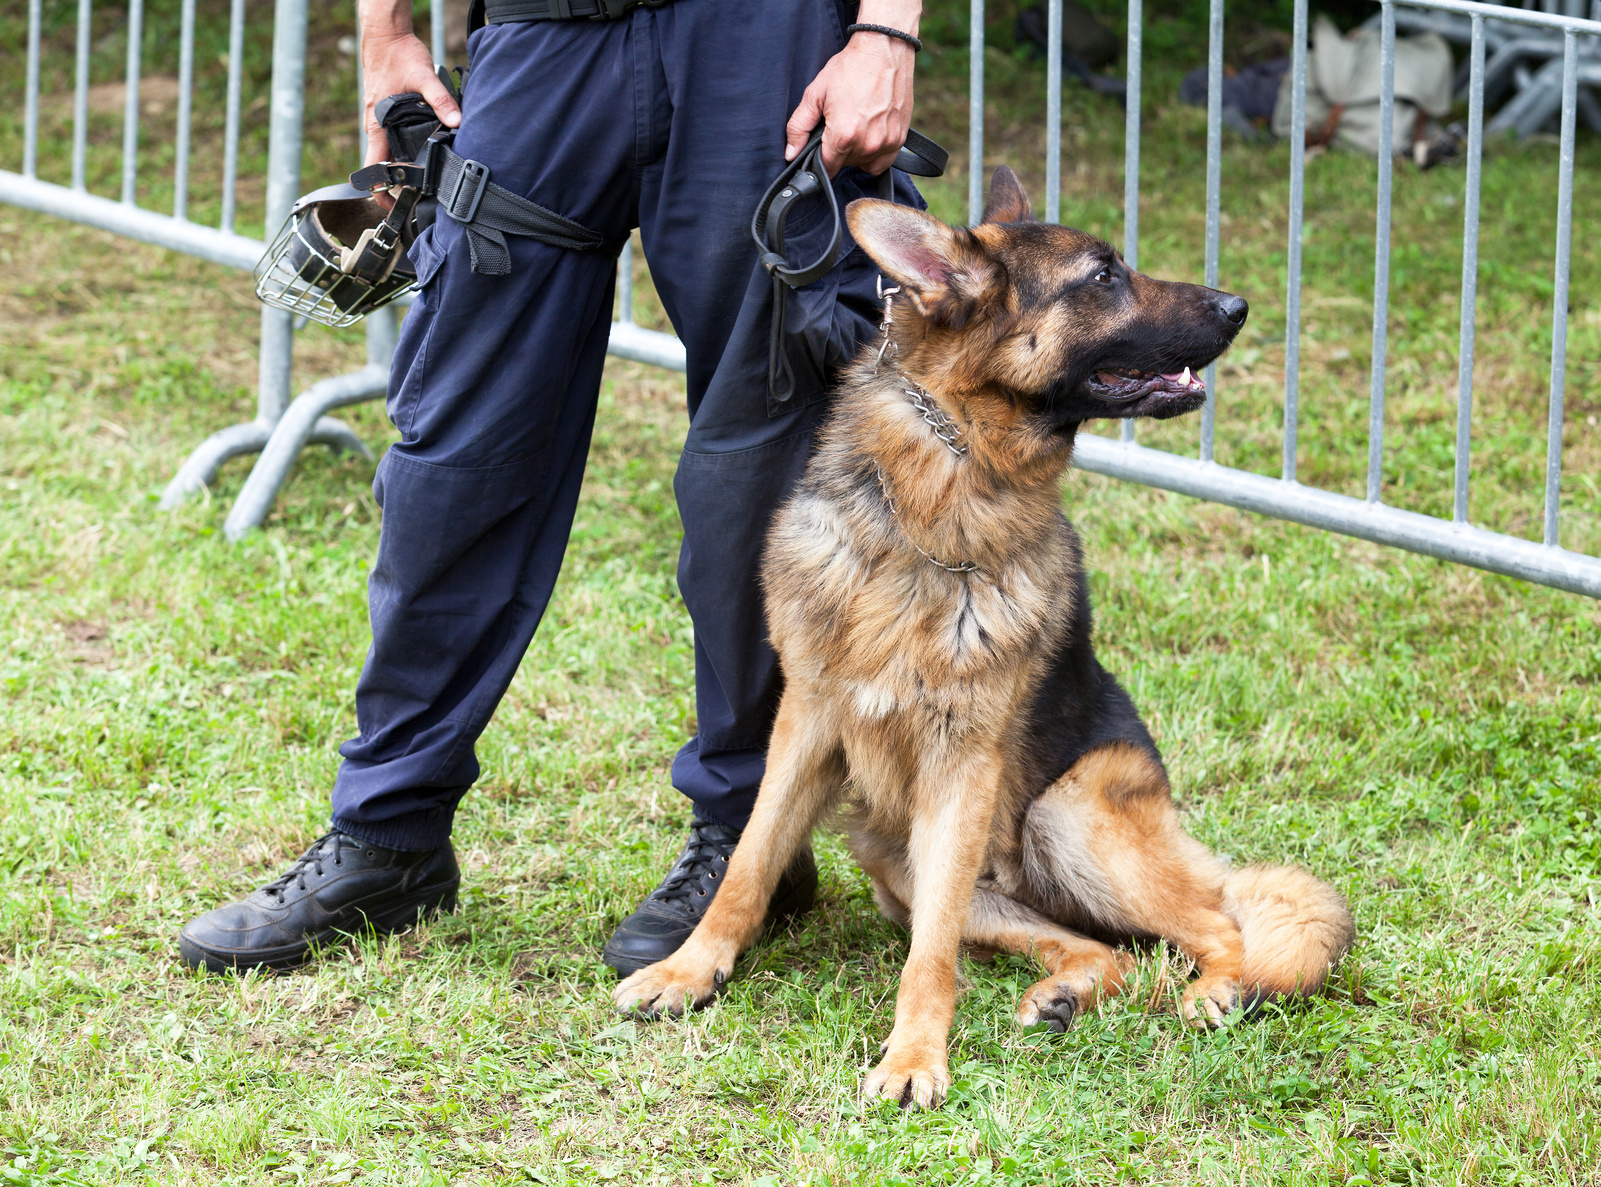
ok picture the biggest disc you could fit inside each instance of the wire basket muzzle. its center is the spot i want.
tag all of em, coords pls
(305, 269)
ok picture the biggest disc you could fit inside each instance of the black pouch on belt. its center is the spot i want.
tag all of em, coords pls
(437, 178)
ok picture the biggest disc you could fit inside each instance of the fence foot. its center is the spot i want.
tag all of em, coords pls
(339, 437)
(199, 470)
(302, 423)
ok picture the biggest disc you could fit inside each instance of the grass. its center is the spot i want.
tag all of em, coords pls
(1427, 737)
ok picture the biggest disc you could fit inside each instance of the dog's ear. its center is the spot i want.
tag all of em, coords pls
(1008, 200)
(945, 271)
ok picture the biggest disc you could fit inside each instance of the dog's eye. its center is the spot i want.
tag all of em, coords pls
(1104, 276)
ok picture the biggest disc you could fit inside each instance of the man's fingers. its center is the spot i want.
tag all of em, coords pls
(881, 162)
(836, 151)
(803, 123)
(869, 150)
(377, 144)
(378, 150)
(444, 106)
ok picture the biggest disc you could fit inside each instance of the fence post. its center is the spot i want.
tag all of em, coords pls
(436, 30)
(1131, 157)
(1470, 273)
(1559, 297)
(284, 143)
(1381, 254)
(30, 118)
(284, 146)
(1214, 198)
(80, 98)
(130, 102)
(975, 113)
(1292, 297)
(1053, 111)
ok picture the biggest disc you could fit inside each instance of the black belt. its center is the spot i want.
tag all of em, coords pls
(488, 212)
(511, 12)
(805, 177)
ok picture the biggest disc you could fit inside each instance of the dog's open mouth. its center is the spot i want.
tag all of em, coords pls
(1124, 385)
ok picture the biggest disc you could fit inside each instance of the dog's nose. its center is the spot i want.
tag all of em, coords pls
(1232, 307)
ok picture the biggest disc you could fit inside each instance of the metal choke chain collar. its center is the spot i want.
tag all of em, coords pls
(944, 428)
(961, 567)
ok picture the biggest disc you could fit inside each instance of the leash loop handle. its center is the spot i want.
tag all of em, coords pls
(801, 178)
(805, 177)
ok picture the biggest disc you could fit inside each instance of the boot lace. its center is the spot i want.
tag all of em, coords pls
(709, 845)
(329, 847)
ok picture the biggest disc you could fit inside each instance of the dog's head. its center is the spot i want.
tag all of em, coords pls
(1051, 316)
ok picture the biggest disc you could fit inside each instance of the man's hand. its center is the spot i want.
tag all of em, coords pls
(394, 61)
(863, 94)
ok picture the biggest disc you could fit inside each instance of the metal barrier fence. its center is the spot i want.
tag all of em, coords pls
(1286, 498)
(281, 429)
(221, 244)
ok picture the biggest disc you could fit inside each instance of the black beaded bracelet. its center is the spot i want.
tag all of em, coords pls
(917, 46)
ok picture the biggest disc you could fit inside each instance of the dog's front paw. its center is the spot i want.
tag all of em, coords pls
(1209, 1000)
(914, 1074)
(669, 986)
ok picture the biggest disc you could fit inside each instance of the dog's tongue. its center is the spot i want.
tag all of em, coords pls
(1185, 380)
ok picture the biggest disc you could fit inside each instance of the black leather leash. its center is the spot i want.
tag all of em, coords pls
(805, 177)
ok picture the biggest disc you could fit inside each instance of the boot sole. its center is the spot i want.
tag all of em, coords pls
(425, 904)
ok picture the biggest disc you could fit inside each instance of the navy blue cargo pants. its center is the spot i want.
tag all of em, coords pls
(672, 120)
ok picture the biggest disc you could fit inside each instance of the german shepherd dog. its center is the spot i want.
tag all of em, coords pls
(929, 606)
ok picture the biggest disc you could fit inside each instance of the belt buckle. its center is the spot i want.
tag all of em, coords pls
(473, 174)
(611, 10)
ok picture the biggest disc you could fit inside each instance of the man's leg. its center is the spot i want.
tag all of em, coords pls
(731, 73)
(493, 390)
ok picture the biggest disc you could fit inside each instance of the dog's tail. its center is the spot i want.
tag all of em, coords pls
(1294, 928)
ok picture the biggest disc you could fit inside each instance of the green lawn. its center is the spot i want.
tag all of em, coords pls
(1425, 736)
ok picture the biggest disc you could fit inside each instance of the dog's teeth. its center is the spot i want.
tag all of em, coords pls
(1184, 380)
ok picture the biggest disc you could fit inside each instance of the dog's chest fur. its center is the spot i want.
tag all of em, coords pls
(912, 660)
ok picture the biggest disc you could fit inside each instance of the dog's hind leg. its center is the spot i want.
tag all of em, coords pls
(1081, 972)
(1104, 841)
(884, 862)
(805, 771)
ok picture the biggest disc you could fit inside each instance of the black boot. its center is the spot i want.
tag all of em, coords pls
(664, 920)
(340, 885)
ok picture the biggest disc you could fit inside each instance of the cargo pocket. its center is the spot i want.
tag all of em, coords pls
(425, 255)
(809, 317)
(410, 360)
(808, 327)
